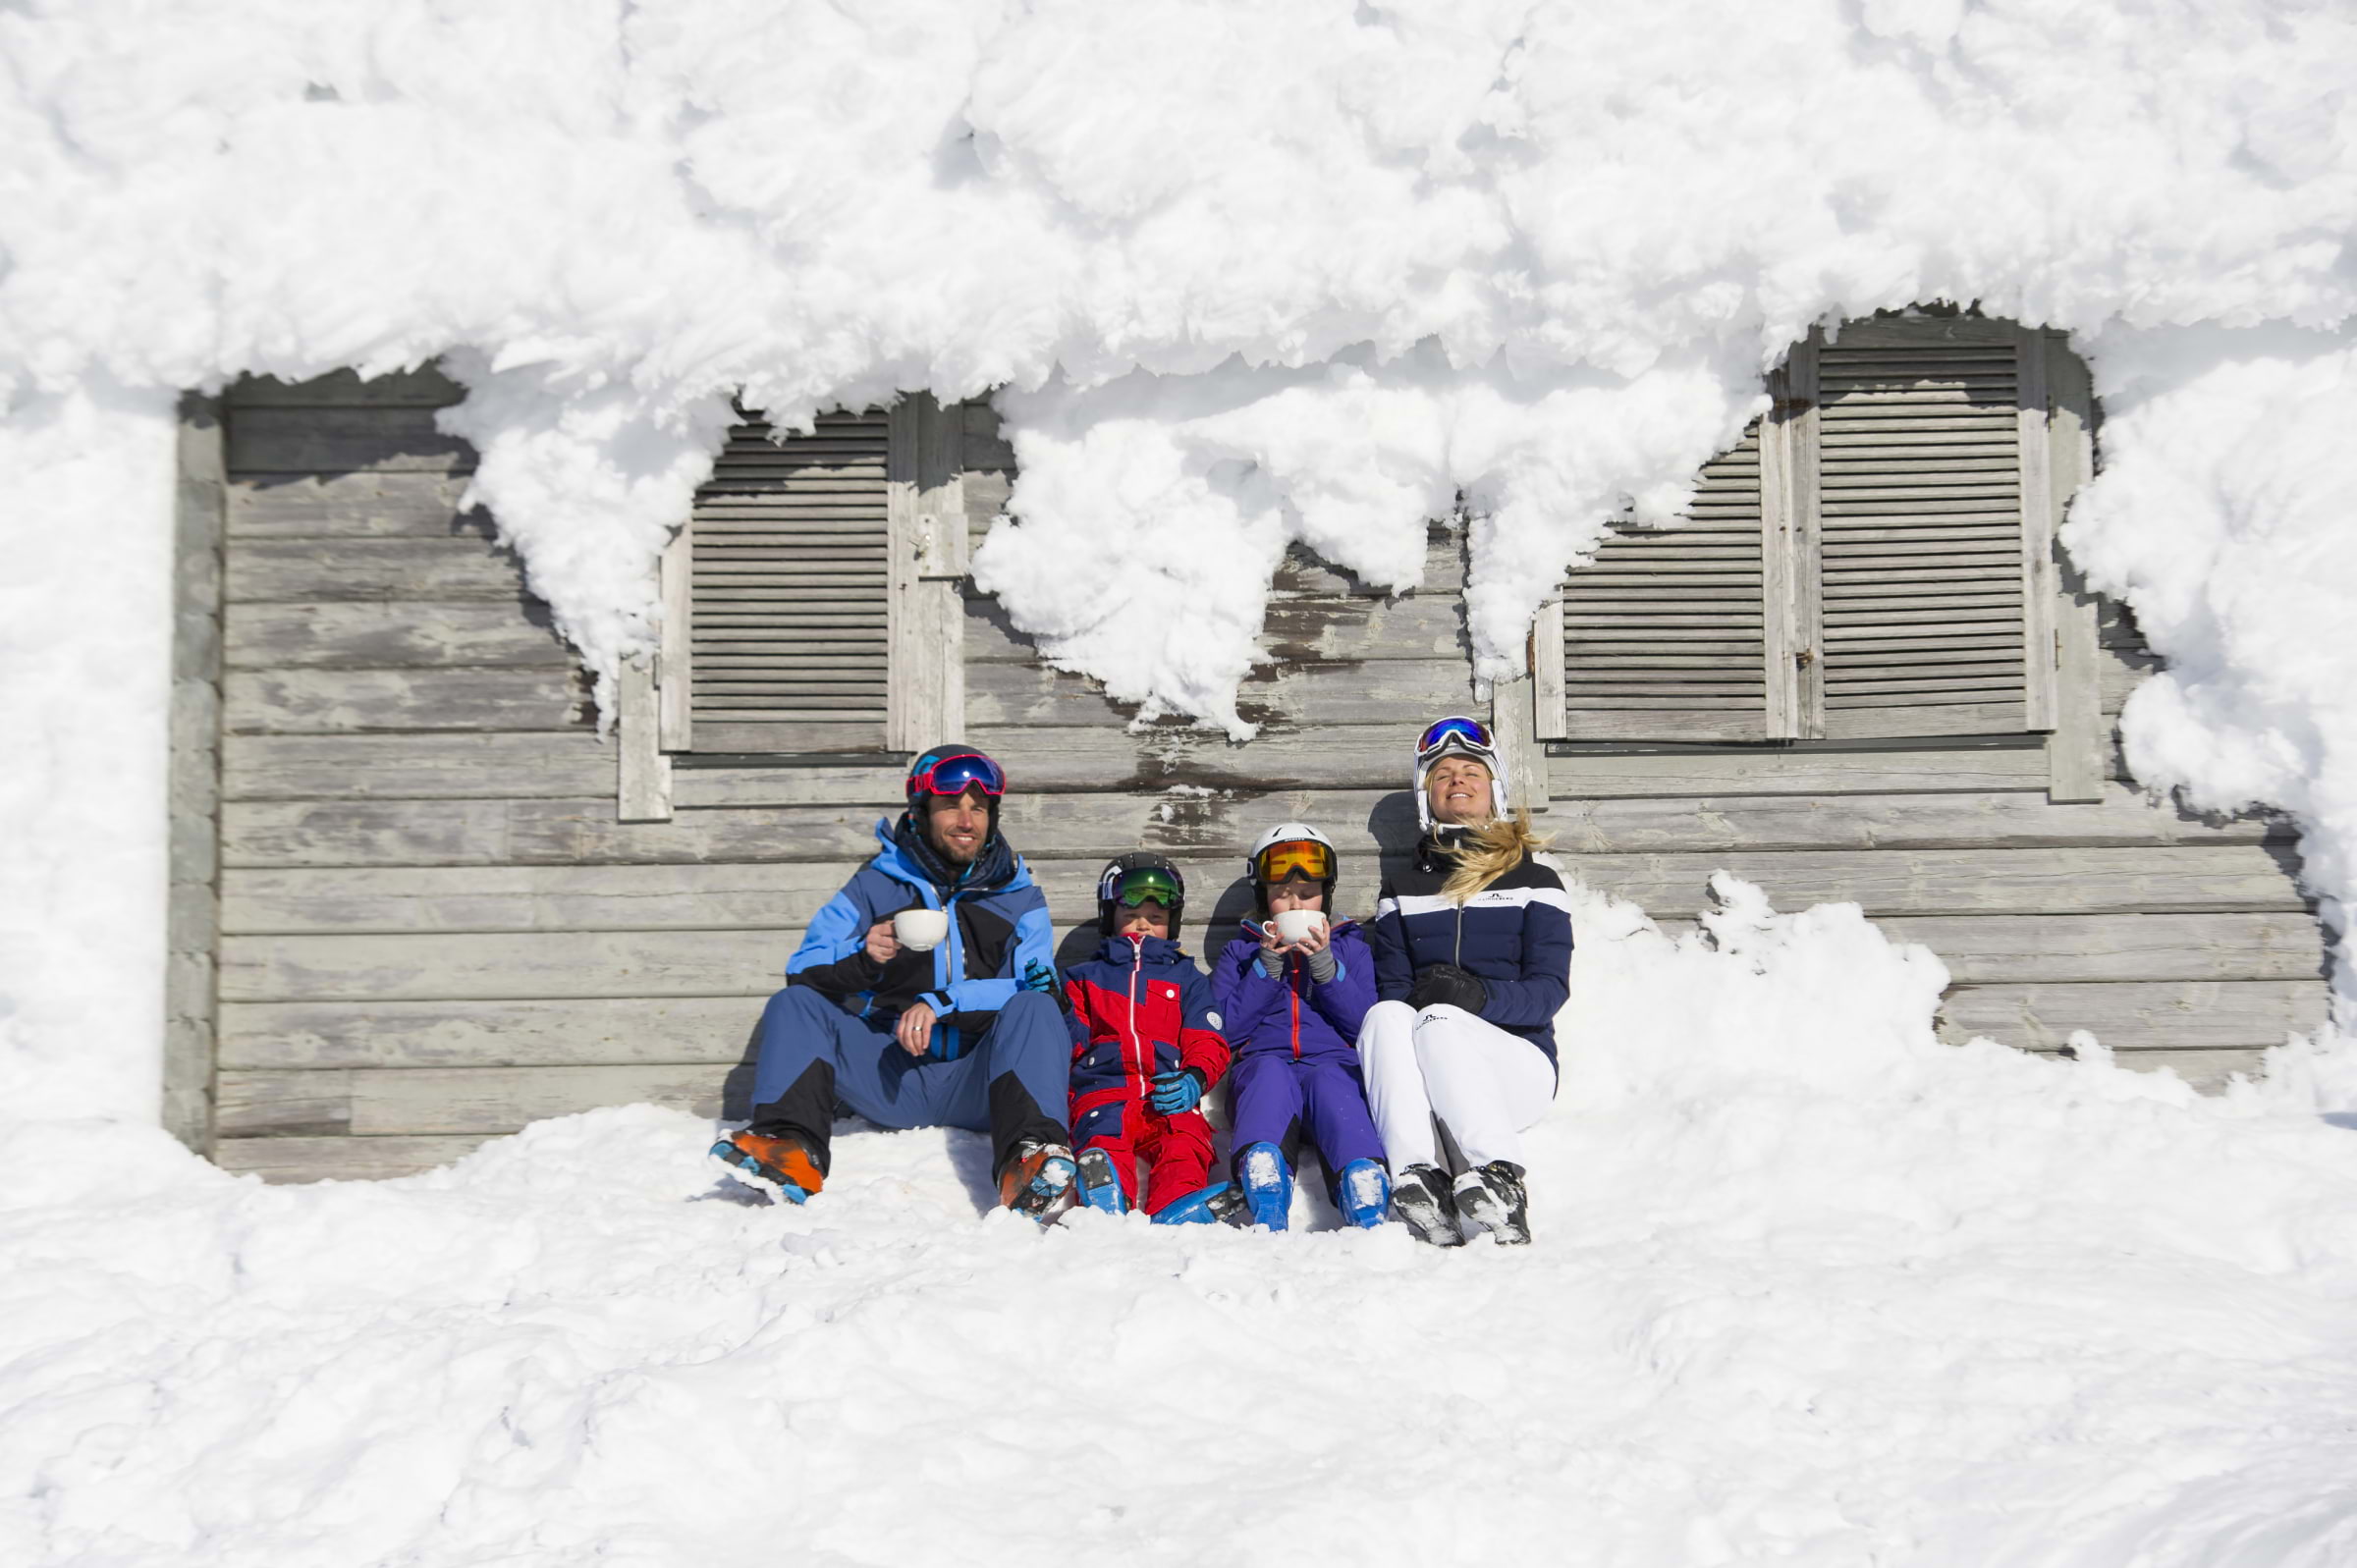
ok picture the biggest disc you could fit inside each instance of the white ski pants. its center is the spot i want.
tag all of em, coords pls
(1483, 1084)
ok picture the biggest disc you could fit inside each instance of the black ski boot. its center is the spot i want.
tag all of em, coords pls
(1420, 1197)
(1494, 1198)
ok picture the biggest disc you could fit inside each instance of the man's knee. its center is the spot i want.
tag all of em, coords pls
(799, 1011)
(1030, 1018)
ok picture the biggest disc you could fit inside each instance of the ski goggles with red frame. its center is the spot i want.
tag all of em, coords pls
(1294, 857)
(1456, 732)
(955, 775)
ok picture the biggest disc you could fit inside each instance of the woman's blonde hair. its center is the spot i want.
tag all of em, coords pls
(1489, 852)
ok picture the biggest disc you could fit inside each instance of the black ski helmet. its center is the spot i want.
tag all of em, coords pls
(1118, 871)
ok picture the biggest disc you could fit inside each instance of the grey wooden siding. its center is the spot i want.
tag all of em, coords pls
(435, 926)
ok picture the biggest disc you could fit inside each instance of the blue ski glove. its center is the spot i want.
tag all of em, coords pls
(1174, 1091)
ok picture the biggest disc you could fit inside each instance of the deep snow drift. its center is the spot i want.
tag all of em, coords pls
(1809, 1288)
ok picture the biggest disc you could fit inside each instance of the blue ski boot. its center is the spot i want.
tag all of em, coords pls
(1205, 1206)
(1100, 1185)
(1268, 1183)
(1363, 1192)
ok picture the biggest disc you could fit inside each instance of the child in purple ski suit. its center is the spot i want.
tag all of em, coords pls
(1292, 1011)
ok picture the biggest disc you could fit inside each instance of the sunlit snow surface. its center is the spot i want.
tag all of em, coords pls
(1808, 1288)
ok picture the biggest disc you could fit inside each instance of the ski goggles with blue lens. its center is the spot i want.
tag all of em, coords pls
(1148, 882)
(1456, 732)
(956, 774)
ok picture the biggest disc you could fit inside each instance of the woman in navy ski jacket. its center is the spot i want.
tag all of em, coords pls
(1472, 961)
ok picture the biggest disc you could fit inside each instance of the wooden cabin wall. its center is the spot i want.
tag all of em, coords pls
(435, 928)
(2179, 941)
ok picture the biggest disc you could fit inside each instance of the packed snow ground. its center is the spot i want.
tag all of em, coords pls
(1809, 1288)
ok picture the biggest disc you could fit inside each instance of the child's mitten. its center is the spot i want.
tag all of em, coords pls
(1176, 1090)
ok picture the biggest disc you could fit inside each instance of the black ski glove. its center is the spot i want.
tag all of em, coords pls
(1445, 984)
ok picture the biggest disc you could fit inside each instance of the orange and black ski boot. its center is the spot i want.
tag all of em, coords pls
(1042, 1180)
(783, 1161)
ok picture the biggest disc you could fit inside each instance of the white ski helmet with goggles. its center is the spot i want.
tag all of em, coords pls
(1456, 736)
(1293, 850)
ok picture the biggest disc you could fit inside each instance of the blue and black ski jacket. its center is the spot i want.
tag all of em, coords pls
(1000, 941)
(1516, 934)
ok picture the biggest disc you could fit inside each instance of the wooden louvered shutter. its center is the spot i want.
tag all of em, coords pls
(1933, 529)
(1873, 562)
(1664, 636)
(788, 603)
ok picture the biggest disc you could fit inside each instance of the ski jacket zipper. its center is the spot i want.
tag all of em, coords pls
(1137, 1049)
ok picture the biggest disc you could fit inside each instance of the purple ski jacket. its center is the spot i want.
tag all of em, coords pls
(1295, 1016)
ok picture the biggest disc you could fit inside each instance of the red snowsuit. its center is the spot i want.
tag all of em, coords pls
(1138, 1009)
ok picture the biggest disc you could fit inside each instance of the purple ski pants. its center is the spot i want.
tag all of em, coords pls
(1274, 1098)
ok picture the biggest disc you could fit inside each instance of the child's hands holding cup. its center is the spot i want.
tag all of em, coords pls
(1304, 931)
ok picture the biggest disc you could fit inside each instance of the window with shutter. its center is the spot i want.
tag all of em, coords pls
(1874, 561)
(788, 605)
(1664, 635)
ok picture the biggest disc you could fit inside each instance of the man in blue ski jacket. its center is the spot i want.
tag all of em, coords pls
(966, 1032)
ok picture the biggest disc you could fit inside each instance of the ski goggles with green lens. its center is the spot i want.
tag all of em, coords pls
(1147, 882)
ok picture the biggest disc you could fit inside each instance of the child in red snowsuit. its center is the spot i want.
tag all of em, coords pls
(1146, 1047)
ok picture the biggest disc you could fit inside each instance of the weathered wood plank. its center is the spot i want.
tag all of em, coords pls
(1993, 949)
(1587, 776)
(289, 1160)
(2143, 881)
(332, 440)
(1284, 757)
(570, 763)
(2207, 1071)
(523, 966)
(2171, 1015)
(341, 701)
(416, 570)
(1302, 573)
(478, 966)
(426, 387)
(2008, 818)
(477, 899)
(390, 636)
(275, 1105)
(557, 833)
(429, 1101)
(2119, 672)
(1297, 629)
(313, 1035)
(389, 506)
(1331, 693)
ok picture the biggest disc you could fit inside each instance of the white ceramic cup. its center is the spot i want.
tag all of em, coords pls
(920, 929)
(1295, 925)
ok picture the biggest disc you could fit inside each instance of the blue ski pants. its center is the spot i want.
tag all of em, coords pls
(1010, 1083)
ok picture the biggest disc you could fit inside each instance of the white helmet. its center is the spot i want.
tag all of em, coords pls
(1456, 736)
(1303, 863)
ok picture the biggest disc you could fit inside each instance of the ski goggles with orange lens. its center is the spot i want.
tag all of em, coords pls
(955, 775)
(1295, 857)
(1149, 882)
(1457, 728)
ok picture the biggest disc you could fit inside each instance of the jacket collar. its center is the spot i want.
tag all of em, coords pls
(903, 855)
(1121, 952)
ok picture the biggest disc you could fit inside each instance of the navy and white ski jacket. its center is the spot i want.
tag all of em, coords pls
(1295, 1016)
(1516, 934)
(1000, 941)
